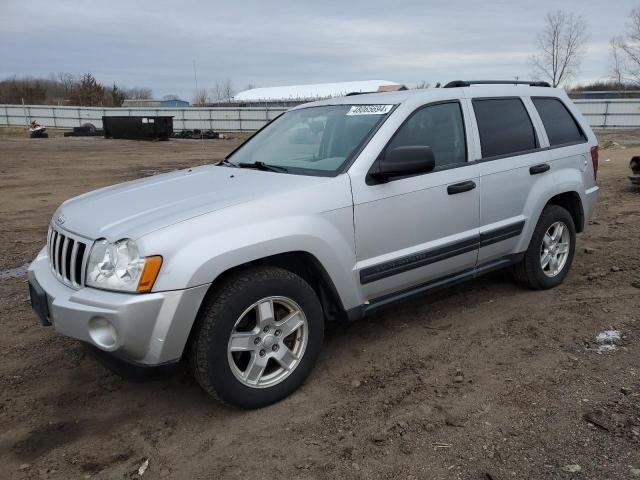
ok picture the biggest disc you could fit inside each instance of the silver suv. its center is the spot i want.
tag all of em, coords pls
(333, 211)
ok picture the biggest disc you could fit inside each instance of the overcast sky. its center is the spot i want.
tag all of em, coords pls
(288, 42)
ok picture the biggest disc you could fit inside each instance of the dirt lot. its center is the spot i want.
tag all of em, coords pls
(482, 381)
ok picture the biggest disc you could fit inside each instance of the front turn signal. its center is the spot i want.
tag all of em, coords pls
(149, 274)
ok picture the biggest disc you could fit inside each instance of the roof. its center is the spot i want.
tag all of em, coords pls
(311, 91)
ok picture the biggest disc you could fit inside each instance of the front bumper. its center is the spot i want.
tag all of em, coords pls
(145, 329)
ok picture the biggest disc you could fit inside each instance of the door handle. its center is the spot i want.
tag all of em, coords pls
(461, 187)
(536, 169)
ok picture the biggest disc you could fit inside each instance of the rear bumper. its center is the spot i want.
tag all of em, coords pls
(144, 329)
(590, 200)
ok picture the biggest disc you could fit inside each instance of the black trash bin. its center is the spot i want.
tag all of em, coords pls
(138, 128)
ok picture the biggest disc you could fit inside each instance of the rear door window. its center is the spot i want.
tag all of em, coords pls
(561, 127)
(504, 126)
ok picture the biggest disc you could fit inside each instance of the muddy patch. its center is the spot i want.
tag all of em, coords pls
(45, 438)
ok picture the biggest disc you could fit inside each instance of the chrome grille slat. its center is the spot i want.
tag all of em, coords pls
(63, 258)
(66, 253)
(56, 242)
(49, 237)
(59, 253)
(72, 276)
(83, 270)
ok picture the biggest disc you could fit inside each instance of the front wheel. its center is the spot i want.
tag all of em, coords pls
(258, 337)
(548, 259)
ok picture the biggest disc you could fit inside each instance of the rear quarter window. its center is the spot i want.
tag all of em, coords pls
(504, 126)
(561, 127)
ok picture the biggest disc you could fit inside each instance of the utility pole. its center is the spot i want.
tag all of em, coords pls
(195, 76)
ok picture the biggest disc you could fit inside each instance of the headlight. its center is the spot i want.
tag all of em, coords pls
(119, 266)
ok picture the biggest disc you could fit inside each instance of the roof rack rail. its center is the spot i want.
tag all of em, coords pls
(468, 83)
(351, 94)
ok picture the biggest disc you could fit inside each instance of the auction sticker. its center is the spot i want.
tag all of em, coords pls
(370, 109)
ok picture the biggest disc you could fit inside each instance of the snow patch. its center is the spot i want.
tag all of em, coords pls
(17, 272)
(608, 340)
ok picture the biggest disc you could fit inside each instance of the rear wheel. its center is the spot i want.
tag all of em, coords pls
(258, 337)
(548, 259)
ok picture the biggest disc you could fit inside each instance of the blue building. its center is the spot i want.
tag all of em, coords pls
(155, 103)
(174, 103)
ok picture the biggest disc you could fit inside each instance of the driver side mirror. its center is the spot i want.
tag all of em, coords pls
(401, 161)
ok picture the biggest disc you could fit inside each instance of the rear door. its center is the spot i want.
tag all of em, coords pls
(512, 160)
(568, 144)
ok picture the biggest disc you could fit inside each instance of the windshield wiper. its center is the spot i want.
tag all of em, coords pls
(227, 163)
(263, 166)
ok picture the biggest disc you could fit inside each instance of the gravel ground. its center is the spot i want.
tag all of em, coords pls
(485, 380)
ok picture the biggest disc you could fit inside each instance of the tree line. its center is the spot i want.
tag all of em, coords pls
(68, 89)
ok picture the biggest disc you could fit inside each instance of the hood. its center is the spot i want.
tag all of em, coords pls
(133, 209)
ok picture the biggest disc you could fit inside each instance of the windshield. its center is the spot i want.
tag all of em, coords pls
(314, 140)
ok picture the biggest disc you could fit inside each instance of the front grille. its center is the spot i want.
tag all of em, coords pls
(67, 257)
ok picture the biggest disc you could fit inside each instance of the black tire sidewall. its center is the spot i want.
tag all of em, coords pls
(219, 373)
(550, 215)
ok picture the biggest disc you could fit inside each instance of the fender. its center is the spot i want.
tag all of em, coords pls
(199, 250)
(542, 193)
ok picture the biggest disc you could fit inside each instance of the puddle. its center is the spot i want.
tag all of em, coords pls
(608, 341)
(17, 272)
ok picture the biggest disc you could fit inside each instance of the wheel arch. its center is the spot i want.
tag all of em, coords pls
(567, 197)
(571, 202)
(303, 264)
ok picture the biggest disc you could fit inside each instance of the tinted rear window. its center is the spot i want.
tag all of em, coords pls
(504, 126)
(560, 125)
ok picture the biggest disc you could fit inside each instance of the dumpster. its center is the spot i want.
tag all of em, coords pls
(138, 128)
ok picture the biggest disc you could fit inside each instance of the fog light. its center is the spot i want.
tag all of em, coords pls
(103, 333)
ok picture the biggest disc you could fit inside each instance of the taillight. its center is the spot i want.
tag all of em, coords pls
(594, 161)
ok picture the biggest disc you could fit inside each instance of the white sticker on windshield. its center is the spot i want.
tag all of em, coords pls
(370, 109)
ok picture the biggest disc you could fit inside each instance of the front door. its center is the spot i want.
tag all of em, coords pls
(412, 230)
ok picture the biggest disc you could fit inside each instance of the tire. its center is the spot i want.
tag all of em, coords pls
(240, 306)
(529, 271)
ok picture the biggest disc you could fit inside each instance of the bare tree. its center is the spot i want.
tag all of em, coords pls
(171, 97)
(227, 90)
(201, 97)
(222, 92)
(629, 45)
(617, 66)
(560, 47)
(138, 93)
(422, 84)
(216, 93)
